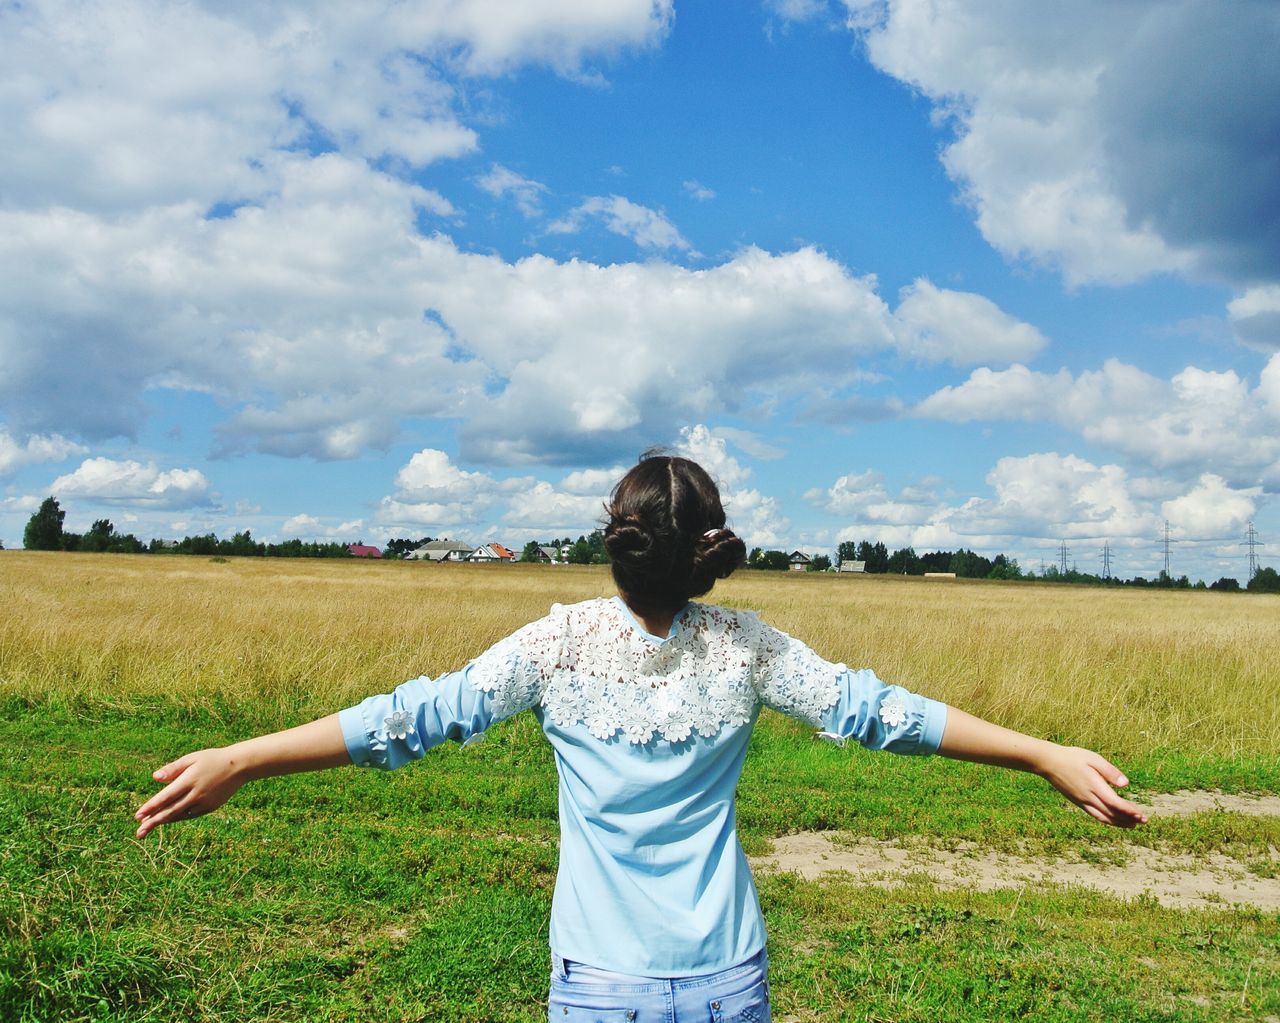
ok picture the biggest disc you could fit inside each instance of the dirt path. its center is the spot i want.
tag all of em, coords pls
(1177, 880)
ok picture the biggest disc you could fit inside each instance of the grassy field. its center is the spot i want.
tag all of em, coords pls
(424, 894)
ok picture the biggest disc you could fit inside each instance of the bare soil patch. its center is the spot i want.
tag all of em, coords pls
(1209, 800)
(1176, 880)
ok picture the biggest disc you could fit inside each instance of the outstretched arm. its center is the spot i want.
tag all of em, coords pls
(1084, 777)
(202, 781)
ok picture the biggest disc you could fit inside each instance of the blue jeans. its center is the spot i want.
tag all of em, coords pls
(584, 994)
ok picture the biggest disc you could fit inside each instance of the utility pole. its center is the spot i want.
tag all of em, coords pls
(1252, 543)
(1062, 557)
(1106, 559)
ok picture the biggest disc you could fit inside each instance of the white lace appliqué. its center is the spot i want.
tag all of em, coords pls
(589, 663)
(398, 724)
(893, 712)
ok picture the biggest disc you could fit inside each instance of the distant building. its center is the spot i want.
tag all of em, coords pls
(360, 550)
(550, 555)
(939, 575)
(491, 552)
(798, 562)
(440, 550)
(853, 566)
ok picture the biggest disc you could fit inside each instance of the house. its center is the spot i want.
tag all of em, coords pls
(798, 562)
(550, 555)
(491, 552)
(440, 550)
(853, 566)
(360, 550)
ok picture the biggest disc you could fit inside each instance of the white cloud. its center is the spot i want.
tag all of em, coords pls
(648, 228)
(1198, 418)
(501, 181)
(1211, 509)
(133, 484)
(1095, 137)
(1255, 317)
(308, 527)
(1040, 500)
(140, 102)
(35, 450)
(938, 325)
(697, 190)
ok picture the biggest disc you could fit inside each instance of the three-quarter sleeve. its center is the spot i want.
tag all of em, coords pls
(390, 730)
(842, 704)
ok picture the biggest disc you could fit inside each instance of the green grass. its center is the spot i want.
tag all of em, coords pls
(424, 894)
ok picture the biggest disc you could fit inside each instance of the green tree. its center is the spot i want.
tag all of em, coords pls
(820, 563)
(1004, 568)
(875, 555)
(1265, 580)
(99, 536)
(44, 529)
(904, 561)
(531, 552)
(1227, 584)
(847, 551)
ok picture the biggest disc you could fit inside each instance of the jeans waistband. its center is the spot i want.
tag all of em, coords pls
(570, 971)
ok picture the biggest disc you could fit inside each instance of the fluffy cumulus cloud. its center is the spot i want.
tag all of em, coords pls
(134, 485)
(34, 450)
(1038, 501)
(1197, 418)
(1255, 317)
(308, 527)
(939, 325)
(227, 83)
(648, 228)
(1110, 140)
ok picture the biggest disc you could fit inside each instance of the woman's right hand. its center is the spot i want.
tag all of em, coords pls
(198, 783)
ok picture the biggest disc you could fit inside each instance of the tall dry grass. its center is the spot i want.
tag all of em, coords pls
(1126, 670)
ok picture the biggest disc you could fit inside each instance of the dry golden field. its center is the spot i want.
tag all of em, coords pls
(1124, 670)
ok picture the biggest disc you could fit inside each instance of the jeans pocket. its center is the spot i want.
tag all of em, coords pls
(749, 1006)
(560, 1010)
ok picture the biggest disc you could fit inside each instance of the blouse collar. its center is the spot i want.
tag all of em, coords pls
(621, 604)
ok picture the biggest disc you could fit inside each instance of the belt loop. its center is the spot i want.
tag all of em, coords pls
(559, 967)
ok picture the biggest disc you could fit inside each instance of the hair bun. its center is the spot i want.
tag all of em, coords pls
(717, 553)
(628, 540)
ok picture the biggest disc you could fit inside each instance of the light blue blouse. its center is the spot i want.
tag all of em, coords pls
(649, 734)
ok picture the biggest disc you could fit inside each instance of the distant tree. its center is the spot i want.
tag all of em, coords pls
(936, 561)
(774, 561)
(1265, 580)
(905, 562)
(1226, 584)
(531, 552)
(968, 565)
(753, 559)
(876, 556)
(847, 551)
(580, 552)
(44, 529)
(1004, 568)
(99, 536)
(820, 563)
(398, 548)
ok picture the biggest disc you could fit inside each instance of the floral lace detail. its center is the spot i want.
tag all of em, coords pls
(589, 663)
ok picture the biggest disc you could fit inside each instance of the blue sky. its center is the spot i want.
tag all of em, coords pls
(935, 274)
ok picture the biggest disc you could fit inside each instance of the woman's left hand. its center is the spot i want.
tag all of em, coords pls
(198, 783)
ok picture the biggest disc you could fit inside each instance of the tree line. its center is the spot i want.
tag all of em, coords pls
(44, 532)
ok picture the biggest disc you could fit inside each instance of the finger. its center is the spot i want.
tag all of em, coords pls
(1119, 805)
(174, 768)
(184, 810)
(1113, 775)
(171, 793)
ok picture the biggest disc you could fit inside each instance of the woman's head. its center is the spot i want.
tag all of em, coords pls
(666, 537)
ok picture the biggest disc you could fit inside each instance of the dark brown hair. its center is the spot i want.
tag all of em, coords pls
(666, 536)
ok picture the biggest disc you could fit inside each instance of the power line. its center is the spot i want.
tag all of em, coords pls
(1062, 557)
(1106, 559)
(1167, 541)
(1252, 543)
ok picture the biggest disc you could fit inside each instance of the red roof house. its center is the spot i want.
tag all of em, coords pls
(359, 550)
